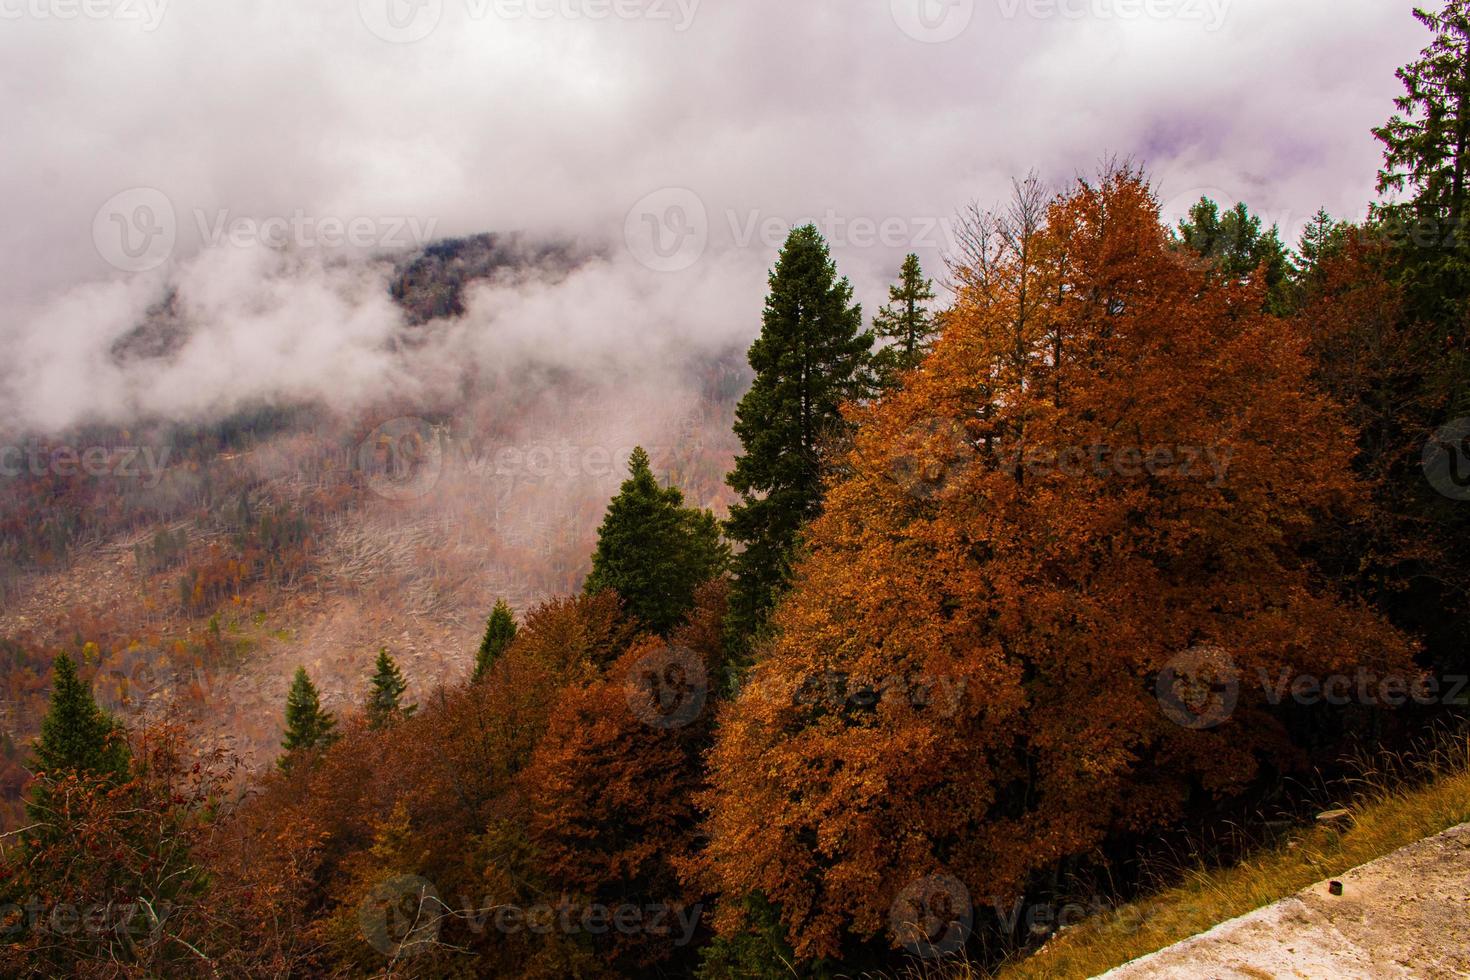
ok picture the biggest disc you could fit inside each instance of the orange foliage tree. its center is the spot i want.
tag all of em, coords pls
(1052, 565)
(612, 786)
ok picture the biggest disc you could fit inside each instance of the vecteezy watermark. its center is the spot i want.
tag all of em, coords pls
(148, 14)
(407, 21)
(1199, 688)
(1209, 463)
(1210, 13)
(303, 230)
(400, 918)
(892, 231)
(668, 230)
(1447, 460)
(135, 230)
(836, 690)
(403, 916)
(931, 917)
(1364, 687)
(138, 229)
(667, 687)
(145, 463)
(403, 458)
(35, 917)
(932, 21)
(935, 455)
(676, 921)
(1037, 919)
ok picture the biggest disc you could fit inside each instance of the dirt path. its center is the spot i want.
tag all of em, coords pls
(1404, 915)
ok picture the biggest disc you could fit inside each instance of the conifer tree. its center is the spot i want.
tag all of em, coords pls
(385, 693)
(653, 551)
(906, 322)
(1235, 242)
(308, 726)
(1322, 238)
(1425, 143)
(812, 356)
(500, 630)
(77, 736)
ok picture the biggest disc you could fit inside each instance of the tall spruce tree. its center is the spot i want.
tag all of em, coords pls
(77, 737)
(500, 630)
(1425, 143)
(906, 323)
(653, 551)
(385, 693)
(812, 355)
(308, 726)
(1425, 148)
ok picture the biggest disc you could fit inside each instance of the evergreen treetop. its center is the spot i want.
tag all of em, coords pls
(811, 357)
(500, 630)
(308, 726)
(653, 551)
(385, 693)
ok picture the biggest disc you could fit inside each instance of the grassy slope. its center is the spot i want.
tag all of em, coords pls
(1385, 818)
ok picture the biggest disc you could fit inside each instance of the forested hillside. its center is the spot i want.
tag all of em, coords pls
(1114, 532)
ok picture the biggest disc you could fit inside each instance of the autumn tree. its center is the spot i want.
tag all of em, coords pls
(500, 630)
(308, 725)
(611, 787)
(905, 323)
(123, 889)
(1101, 487)
(811, 357)
(652, 551)
(385, 693)
(77, 739)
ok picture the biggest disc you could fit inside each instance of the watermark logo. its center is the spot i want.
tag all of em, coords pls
(400, 21)
(401, 916)
(933, 21)
(144, 463)
(931, 457)
(135, 230)
(402, 459)
(147, 13)
(839, 691)
(668, 230)
(1447, 460)
(932, 917)
(1199, 688)
(667, 687)
(304, 230)
(1209, 13)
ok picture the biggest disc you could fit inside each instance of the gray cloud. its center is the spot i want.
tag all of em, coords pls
(766, 111)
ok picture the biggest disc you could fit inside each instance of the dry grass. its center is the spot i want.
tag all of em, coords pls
(1389, 811)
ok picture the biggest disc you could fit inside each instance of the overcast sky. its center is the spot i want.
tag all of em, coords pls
(140, 136)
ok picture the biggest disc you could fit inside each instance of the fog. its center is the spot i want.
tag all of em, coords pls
(269, 162)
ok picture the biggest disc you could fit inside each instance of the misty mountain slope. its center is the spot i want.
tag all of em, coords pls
(260, 529)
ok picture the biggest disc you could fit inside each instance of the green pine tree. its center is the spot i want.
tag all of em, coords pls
(77, 737)
(653, 551)
(1322, 237)
(385, 693)
(1425, 143)
(1236, 244)
(812, 356)
(307, 725)
(906, 323)
(500, 629)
